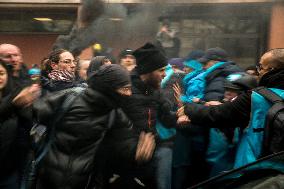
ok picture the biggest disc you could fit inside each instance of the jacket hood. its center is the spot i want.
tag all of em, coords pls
(109, 78)
(224, 70)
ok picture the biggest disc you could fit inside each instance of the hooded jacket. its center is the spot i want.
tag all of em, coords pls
(73, 157)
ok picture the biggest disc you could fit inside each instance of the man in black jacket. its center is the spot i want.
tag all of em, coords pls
(146, 105)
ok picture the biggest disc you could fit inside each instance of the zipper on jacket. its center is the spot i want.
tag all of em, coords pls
(149, 118)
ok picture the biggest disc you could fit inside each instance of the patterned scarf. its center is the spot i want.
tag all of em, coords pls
(61, 75)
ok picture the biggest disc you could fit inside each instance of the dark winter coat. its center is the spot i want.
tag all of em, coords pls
(214, 89)
(73, 155)
(146, 105)
(8, 135)
(15, 124)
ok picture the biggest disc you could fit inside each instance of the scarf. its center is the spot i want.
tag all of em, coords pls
(61, 75)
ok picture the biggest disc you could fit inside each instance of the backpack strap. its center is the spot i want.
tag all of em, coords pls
(272, 113)
(268, 94)
(30, 171)
(72, 94)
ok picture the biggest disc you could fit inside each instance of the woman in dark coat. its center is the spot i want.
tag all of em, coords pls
(74, 157)
(15, 122)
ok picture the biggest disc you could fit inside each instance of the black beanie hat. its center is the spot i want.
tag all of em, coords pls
(109, 78)
(149, 58)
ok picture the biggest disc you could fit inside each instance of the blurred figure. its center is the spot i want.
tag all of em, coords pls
(190, 63)
(182, 150)
(177, 64)
(35, 75)
(192, 67)
(15, 123)
(234, 85)
(97, 49)
(251, 70)
(168, 40)
(81, 70)
(12, 55)
(96, 63)
(127, 60)
(237, 83)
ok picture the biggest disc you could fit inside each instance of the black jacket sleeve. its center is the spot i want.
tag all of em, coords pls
(6, 104)
(121, 141)
(231, 114)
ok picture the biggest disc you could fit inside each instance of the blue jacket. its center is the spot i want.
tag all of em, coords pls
(250, 146)
(215, 81)
(197, 85)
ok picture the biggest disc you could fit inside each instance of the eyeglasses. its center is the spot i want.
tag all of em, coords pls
(68, 61)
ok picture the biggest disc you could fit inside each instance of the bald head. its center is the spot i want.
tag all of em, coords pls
(277, 58)
(11, 54)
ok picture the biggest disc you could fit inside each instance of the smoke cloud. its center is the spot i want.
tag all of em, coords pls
(103, 23)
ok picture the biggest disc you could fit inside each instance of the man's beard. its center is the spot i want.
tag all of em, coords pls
(153, 82)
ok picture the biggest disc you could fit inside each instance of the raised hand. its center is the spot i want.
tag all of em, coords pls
(145, 148)
(177, 94)
(27, 96)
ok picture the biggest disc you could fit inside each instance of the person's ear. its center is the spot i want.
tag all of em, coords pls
(54, 66)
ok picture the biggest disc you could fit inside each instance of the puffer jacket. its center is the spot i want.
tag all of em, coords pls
(72, 157)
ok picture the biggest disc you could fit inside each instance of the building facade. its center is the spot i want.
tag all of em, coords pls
(245, 28)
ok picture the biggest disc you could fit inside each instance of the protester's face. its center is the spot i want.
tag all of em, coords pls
(83, 69)
(154, 78)
(264, 65)
(3, 77)
(124, 91)
(128, 62)
(67, 62)
(11, 54)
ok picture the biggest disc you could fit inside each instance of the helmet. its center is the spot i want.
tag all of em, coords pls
(240, 81)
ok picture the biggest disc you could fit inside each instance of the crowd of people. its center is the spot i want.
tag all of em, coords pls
(144, 122)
